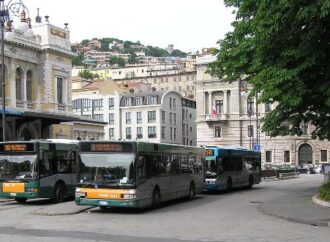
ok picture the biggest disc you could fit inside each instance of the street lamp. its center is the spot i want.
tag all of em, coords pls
(250, 112)
(14, 8)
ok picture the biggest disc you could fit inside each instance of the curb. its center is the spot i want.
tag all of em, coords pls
(320, 202)
(320, 223)
(45, 213)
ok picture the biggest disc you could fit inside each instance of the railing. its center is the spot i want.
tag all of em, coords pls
(19, 104)
(216, 117)
(61, 106)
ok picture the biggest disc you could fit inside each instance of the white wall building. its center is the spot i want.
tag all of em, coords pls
(161, 117)
(157, 117)
(226, 117)
(100, 107)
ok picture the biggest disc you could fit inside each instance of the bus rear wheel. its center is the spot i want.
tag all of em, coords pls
(250, 182)
(156, 198)
(229, 185)
(21, 199)
(192, 192)
(59, 193)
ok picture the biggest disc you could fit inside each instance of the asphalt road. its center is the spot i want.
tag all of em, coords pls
(236, 216)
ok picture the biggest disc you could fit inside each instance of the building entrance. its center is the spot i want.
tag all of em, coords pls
(305, 154)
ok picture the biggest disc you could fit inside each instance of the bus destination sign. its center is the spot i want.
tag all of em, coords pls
(209, 152)
(16, 147)
(106, 147)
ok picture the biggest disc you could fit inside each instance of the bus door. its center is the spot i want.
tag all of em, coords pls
(56, 165)
(246, 171)
(151, 172)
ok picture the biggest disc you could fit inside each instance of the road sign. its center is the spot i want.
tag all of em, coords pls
(256, 147)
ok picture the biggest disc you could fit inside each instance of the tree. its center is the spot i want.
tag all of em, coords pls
(78, 60)
(282, 48)
(132, 58)
(115, 60)
(179, 53)
(87, 74)
(84, 42)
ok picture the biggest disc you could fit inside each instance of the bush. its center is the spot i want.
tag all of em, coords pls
(325, 191)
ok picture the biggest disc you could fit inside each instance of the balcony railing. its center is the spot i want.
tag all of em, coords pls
(215, 117)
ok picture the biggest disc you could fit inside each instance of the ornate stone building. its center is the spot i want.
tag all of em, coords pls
(226, 115)
(37, 70)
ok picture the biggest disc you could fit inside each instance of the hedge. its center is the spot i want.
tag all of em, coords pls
(325, 191)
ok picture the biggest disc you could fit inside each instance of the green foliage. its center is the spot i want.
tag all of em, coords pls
(282, 48)
(178, 53)
(114, 60)
(155, 51)
(84, 42)
(78, 60)
(325, 191)
(106, 41)
(132, 59)
(87, 74)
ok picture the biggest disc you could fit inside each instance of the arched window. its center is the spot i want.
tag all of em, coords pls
(29, 86)
(305, 154)
(19, 82)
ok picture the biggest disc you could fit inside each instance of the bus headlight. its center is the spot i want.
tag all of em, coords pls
(128, 196)
(80, 194)
(32, 189)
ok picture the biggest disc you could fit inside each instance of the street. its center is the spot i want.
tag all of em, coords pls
(271, 211)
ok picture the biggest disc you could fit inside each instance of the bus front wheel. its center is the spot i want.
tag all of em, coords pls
(59, 193)
(156, 198)
(21, 199)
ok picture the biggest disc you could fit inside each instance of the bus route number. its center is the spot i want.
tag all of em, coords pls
(209, 152)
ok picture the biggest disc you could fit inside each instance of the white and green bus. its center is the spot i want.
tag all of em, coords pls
(137, 174)
(38, 169)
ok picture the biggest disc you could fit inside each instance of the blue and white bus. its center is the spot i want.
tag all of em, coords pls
(231, 167)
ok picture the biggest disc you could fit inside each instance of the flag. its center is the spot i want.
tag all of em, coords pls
(214, 110)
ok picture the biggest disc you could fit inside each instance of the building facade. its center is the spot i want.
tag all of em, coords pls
(161, 117)
(227, 115)
(37, 81)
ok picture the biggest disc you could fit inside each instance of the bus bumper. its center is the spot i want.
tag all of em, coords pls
(19, 195)
(107, 203)
(214, 187)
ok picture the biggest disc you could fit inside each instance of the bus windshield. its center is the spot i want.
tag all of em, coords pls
(211, 169)
(109, 170)
(22, 167)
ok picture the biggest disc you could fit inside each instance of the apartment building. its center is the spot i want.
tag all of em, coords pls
(149, 116)
(226, 115)
(183, 83)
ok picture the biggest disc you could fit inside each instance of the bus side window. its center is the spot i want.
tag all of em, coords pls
(175, 164)
(166, 160)
(141, 167)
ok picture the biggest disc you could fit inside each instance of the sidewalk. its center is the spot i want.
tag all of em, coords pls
(65, 208)
(298, 207)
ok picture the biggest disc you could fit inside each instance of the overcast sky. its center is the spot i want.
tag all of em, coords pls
(188, 24)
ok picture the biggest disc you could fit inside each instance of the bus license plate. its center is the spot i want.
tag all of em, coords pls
(13, 194)
(103, 203)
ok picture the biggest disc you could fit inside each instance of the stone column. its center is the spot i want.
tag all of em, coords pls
(24, 96)
(210, 102)
(225, 102)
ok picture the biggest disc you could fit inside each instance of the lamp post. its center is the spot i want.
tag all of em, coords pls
(250, 112)
(11, 8)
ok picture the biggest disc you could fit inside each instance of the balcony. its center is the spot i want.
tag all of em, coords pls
(215, 117)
